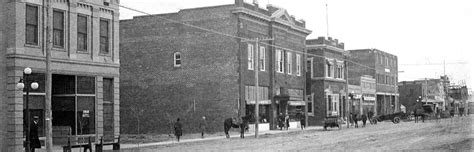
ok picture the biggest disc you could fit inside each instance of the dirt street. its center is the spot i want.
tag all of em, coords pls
(445, 134)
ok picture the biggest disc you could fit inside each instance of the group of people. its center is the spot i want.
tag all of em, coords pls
(284, 121)
(354, 118)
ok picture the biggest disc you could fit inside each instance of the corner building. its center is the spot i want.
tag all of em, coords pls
(383, 67)
(170, 70)
(84, 64)
(326, 79)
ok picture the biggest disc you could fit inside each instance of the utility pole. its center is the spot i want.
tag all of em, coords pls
(256, 69)
(48, 85)
(347, 88)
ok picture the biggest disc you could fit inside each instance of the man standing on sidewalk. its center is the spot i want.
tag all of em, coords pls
(203, 126)
(178, 129)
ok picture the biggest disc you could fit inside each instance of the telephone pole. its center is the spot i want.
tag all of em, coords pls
(48, 113)
(256, 69)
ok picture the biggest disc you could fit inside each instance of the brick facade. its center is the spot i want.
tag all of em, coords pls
(15, 55)
(323, 83)
(384, 68)
(213, 77)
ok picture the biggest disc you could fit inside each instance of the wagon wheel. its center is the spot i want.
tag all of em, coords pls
(396, 120)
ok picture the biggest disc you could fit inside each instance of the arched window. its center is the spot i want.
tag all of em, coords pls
(177, 59)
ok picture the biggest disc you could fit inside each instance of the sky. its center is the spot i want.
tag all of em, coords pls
(421, 33)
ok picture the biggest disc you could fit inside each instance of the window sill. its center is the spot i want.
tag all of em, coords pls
(59, 49)
(104, 54)
(33, 46)
(82, 52)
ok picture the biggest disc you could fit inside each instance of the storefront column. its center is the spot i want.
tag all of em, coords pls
(116, 106)
(99, 107)
(15, 111)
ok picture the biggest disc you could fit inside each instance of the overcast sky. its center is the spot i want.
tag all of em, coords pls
(422, 33)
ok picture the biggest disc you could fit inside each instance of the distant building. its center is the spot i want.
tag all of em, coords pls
(365, 97)
(84, 64)
(170, 70)
(384, 68)
(460, 97)
(326, 79)
(428, 91)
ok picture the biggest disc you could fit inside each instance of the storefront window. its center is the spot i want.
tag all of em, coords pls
(73, 103)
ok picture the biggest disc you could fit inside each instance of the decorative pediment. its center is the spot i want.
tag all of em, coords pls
(282, 14)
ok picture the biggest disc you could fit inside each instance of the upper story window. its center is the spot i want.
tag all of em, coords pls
(104, 36)
(289, 62)
(31, 29)
(309, 67)
(58, 29)
(280, 67)
(81, 33)
(250, 54)
(177, 59)
(298, 64)
(339, 72)
(329, 66)
(261, 59)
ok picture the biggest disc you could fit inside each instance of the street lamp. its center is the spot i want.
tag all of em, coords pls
(21, 85)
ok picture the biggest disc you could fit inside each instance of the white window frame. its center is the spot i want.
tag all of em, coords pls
(280, 67)
(289, 63)
(334, 103)
(250, 54)
(298, 64)
(176, 58)
(261, 59)
(329, 68)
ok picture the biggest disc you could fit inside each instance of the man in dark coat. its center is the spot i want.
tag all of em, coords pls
(364, 120)
(178, 129)
(203, 126)
(281, 121)
(354, 118)
(33, 137)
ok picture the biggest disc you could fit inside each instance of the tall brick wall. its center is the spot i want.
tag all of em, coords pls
(155, 92)
(409, 93)
(3, 79)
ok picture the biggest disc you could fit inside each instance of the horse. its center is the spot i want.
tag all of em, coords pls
(242, 123)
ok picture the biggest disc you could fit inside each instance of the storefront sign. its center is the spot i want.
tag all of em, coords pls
(261, 102)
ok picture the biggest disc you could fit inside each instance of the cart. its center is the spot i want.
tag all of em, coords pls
(332, 121)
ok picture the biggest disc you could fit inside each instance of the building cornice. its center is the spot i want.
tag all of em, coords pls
(18, 56)
(317, 46)
(328, 79)
(270, 19)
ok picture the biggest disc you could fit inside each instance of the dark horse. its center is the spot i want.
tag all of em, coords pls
(236, 122)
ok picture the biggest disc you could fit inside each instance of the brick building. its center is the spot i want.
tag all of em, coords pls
(326, 83)
(383, 67)
(365, 95)
(170, 70)
(84, 63)
(427, 91)
(459, 97)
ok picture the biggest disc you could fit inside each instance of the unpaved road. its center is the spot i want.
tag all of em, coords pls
(446, 134)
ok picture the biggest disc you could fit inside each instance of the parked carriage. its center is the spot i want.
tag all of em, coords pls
(332, 121)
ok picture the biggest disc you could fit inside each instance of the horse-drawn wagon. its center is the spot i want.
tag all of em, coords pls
(394, 117)
(332, 121)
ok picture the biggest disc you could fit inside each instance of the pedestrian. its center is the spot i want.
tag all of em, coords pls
(287, 121)
(302, 121)
(281, 120)
(178, 129)
(33, 136)
(354, 118)
(364, 120)
(203, 126)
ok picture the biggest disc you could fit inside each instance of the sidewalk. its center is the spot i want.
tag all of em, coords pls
(128, 147)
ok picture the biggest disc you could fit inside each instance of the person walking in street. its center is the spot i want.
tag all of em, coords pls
(33, 136)
(302, 121)
(203, 126)
(364, 119)
(354, 118)
(178, 129)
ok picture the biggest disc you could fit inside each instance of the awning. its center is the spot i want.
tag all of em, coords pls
(369, 98)
(296, 103)
(260, 102)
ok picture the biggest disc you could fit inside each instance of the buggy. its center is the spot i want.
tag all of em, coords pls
(332, 121)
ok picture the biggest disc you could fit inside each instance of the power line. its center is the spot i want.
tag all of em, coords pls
(233, 36)
(417, 64)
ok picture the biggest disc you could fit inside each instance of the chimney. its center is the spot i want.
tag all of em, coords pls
(335, 40)
(330, 38)
(239, 3)
(255, 4)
